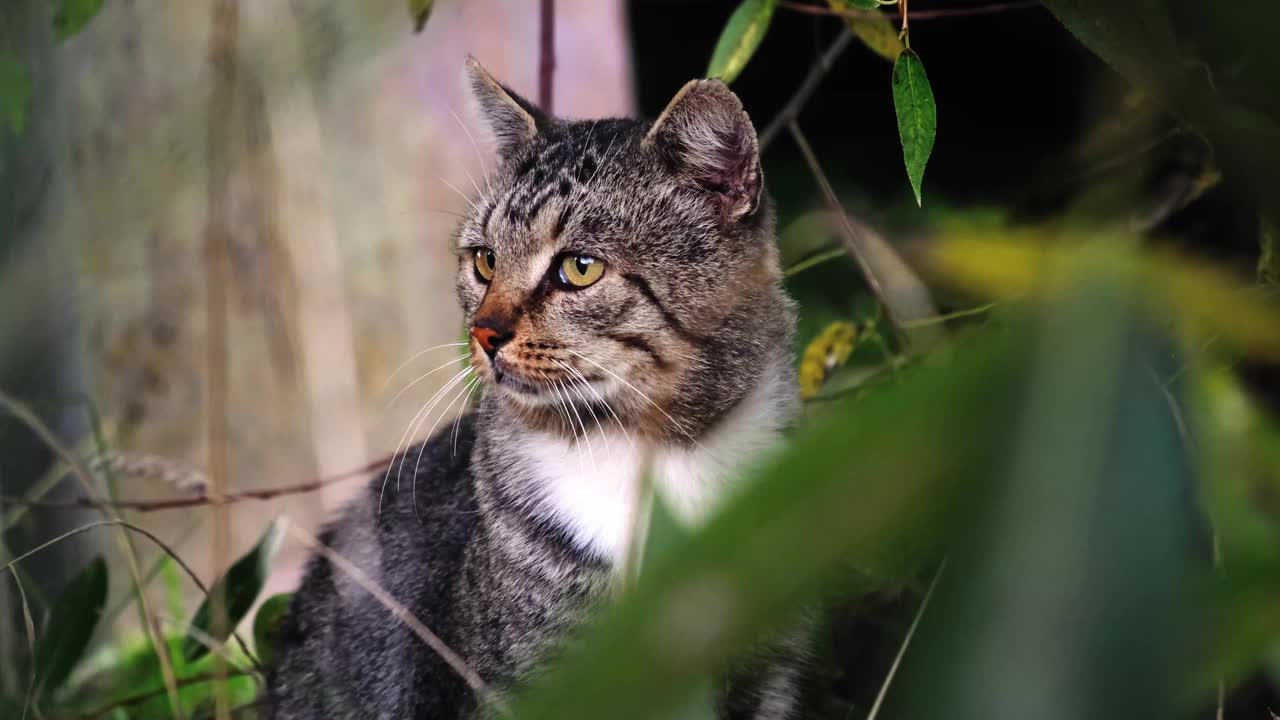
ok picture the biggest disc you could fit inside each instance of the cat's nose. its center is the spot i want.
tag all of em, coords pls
(490, 339)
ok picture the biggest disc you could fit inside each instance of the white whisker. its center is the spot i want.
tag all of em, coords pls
(413, 491)
(412, 424)
(475, 148)
(415, 356)
(585, 433)
(420, 378)
(460, 194)
(636, 390)
(582, 380)
(470, 390)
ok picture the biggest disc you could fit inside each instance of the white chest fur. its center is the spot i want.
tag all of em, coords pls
(592, 486)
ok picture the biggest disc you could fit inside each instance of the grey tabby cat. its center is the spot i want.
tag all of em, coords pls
(622, 287)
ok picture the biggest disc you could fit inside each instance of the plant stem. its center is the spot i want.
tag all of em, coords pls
(852, 242)
(792, 109)
(546, 54)
(223, 63)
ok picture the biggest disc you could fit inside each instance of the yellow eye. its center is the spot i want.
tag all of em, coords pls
(485, 262)
(579, 271)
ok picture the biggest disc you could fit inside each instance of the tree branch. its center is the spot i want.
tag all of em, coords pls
(991, 9)
(186, 502)
(546, 54)
(852, 241)
(792, 109)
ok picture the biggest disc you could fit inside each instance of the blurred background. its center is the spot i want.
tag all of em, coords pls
(329, 150)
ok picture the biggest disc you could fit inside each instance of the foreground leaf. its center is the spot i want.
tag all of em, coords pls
(15, 94)
(266, 626)
(1203, 301)
(917, 115)
(1077, 590)
(740, 38)
(240, 586)
(874, 485)
(72, 620)
(1269, 261)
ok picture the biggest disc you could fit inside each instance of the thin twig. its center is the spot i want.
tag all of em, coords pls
(906, 642)
(851, 238)
(792, 109)
(204, 590)
(151, 694)
(403, 614)
(161, 504)
(948, 317)
(223, 62)
(82, 474)
(546, 54)
(30, 627)
(990, 9)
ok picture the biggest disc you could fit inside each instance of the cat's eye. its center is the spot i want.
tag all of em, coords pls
(579, 271)
(485, 262)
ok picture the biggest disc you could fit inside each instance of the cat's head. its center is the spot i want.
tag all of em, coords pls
(622, 268)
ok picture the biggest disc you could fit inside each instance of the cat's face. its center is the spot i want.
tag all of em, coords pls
(603, 263)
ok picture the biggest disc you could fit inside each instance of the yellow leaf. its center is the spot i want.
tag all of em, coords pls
(828, 351)
(874, 29)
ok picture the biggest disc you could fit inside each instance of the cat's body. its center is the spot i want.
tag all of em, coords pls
(503, 534)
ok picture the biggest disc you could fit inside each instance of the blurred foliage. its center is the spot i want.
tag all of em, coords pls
(1102, 488)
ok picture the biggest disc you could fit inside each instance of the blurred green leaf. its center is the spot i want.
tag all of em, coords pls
(240, 586)
(420, 11)
(266, 626)
(876, 484)
(1205, 302)
(71, 624)
(917, 115)
(15, 94)
(876, 31)
(1269, 262)
(808, 235)
(1078, 590)
(740, 38)
(73, 15)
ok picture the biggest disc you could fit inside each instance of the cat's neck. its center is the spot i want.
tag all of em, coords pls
(590, 487)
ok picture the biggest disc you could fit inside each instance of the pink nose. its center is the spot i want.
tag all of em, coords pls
(486, 336)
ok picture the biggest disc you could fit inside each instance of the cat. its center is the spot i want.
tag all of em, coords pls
(622, 287)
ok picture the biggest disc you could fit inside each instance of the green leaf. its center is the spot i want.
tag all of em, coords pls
(865, 4)
(740, 39)
(240, 586)
(420, 11)
(917, 115)
(15, 94)
(73, 15)
(266, 626)
(71, 624)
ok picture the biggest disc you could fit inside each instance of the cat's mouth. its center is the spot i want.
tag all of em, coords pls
(541, 387)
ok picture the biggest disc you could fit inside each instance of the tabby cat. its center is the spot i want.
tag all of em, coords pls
(621, 284)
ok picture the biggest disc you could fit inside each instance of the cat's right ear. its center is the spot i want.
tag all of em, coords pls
(706, 137)
(513, 120)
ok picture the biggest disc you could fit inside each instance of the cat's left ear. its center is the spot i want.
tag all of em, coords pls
(514, 120)
(707, 137)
